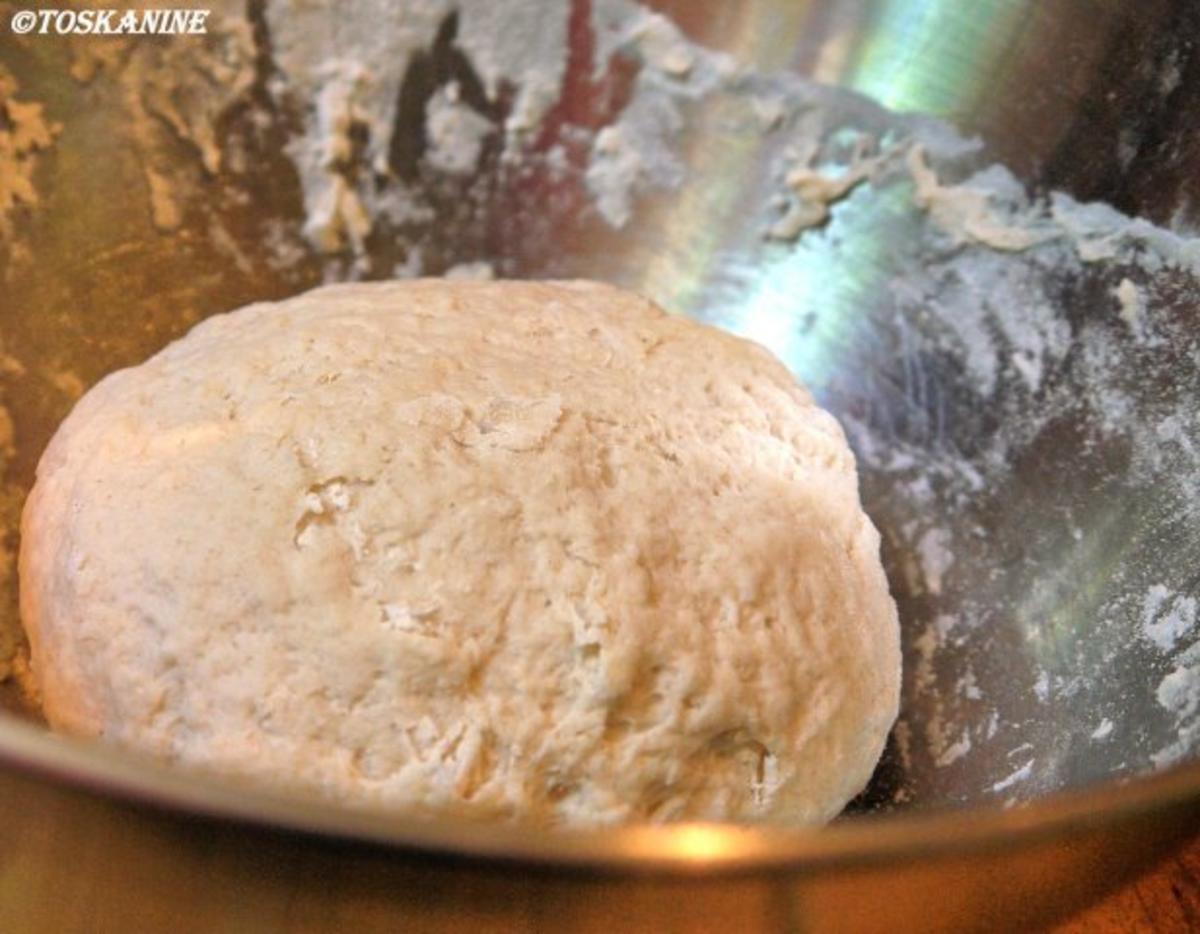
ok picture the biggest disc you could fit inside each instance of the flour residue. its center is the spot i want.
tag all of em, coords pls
(25, 136)
(816, 188)
(1179, 694)
(1167, 616)
(350, 169)
(455, 131)
(480, 270)
(1103, 731)
(965, 212)
(12, 496)
(1129, 300)
(522, 45)
(1019, 775)
(637, 153)
(933, 549)
(175, 90)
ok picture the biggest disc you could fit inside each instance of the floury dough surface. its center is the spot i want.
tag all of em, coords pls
(528, 550)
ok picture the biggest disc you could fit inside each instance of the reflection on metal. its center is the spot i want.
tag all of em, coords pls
(933, 56)
(806, 300)
(702, 843)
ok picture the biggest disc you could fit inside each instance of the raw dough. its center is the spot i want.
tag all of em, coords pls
(514, 549)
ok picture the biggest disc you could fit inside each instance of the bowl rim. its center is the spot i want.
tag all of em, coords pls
(91, 767)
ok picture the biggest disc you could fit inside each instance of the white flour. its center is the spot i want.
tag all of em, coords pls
(523, 43)
(637, 153)
(346, 73)
(456, 132)
(481, 270)
(1167, 617)
(1020, 775)
(1179, 693)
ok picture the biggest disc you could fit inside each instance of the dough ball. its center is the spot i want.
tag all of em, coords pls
(522, 550)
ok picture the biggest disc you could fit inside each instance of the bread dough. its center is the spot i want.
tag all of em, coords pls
(524, 550)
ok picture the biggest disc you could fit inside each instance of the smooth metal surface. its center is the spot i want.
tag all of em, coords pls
(1096, 99)
(133, 869)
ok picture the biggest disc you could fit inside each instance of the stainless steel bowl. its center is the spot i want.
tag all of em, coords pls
(1028, 424)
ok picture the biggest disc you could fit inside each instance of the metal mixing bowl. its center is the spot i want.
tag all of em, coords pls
(1036, 500)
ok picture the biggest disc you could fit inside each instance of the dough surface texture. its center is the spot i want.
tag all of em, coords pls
(535, 551)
